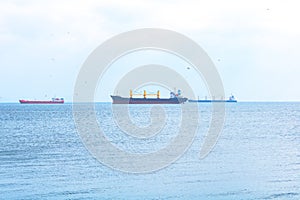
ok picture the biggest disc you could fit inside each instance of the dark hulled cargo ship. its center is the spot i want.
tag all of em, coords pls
(174, 99)
(124, 100)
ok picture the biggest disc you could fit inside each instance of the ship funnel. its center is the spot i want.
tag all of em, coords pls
(179, 92)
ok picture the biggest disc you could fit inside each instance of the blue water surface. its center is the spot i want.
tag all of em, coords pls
(257, 155)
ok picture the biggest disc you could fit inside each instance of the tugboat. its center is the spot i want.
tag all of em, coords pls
(174, 99)
(52, 101)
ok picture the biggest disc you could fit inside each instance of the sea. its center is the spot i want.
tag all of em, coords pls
(256, 156)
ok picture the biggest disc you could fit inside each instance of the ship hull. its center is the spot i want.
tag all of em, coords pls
(40, 102)
(122, 100)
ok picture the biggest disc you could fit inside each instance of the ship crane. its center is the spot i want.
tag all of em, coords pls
(131, 94)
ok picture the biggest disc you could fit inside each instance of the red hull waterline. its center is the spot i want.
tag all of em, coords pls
(41, 102)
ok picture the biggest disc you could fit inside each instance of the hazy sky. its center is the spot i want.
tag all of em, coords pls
(254, 44)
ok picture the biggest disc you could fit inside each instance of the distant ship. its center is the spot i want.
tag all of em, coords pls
(231, 99)
(52, 101)
(174, 99)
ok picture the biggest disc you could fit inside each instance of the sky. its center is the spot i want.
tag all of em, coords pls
(253, 44)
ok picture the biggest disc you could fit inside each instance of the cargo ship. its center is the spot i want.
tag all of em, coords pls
(52, 101)
(231, 99)
(174, 99)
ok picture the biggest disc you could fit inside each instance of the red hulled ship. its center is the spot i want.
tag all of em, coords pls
(52, 101)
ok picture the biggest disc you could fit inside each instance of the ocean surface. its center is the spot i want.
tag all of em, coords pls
(257, 155)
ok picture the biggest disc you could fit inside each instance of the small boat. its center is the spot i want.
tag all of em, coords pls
(231, 99)
(174, 99)
(52, 101)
